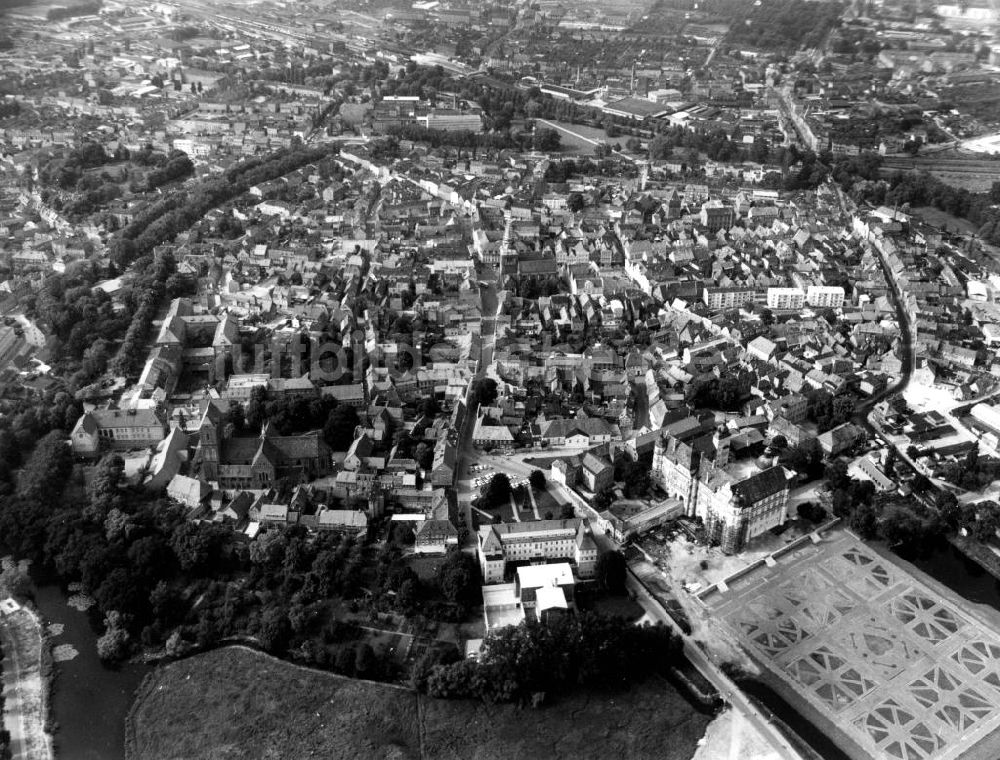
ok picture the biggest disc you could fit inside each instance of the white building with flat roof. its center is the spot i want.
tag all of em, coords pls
(785, 298)
(825, 296)
(535, 591)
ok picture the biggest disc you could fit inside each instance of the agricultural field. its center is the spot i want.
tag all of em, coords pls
(975, 175)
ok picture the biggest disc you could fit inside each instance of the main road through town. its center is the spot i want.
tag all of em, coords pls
(907, 357)
(489, 307)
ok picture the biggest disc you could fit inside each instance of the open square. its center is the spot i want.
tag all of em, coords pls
(894, 665)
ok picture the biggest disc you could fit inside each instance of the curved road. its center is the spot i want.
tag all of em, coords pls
(906, 345)
(908, 359)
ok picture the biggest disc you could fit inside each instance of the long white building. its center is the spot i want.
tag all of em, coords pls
(785, 298)
(535, 541)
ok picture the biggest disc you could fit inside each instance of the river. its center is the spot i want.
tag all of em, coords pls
(947, 565)
(90, 701)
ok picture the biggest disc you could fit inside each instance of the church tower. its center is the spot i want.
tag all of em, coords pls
(210, 433)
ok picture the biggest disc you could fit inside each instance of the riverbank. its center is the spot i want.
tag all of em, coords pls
(239, 703)
(27, 680)
(90, 699)
(979, 553)
(957, 593)
(985, 612)
(731, 728)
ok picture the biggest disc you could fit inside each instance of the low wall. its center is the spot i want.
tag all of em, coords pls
(773, 556)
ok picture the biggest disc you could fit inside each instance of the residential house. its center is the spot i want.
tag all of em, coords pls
(191, 492)
(435, 537)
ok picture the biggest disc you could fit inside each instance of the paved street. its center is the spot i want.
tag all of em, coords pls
(489, 305)
(24, 711)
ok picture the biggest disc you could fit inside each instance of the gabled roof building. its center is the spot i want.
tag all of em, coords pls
(535, 542)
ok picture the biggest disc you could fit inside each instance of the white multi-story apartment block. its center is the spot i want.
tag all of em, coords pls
(726, 297)
(831, 296)
(785, 298)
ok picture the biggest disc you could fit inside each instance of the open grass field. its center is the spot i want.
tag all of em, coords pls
(575, 138)
(943, 219)
(237, 703)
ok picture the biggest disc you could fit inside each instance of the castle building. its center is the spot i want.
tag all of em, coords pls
(677, 465)
(735, 511)
(735, 506)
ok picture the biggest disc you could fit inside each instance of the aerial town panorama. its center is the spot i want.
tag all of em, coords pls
(502, 380)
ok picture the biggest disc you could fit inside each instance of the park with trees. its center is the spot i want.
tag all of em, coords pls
(164, 583)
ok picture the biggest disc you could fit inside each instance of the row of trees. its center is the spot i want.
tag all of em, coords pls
(543, 139)
(150, 291)
(162, 221)
(5, 749)
(525, 662)
(83, 321)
